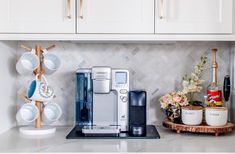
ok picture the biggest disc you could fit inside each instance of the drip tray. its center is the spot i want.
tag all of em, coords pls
(151, 133)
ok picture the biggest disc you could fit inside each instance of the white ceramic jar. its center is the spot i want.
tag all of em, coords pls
(216, 116)
(192, 115)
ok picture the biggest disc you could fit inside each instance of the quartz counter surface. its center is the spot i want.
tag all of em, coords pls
(13, 141)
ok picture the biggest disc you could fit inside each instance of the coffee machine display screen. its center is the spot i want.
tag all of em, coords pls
(121, 77)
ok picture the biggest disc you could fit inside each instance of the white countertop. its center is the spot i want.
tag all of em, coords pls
(13, 141)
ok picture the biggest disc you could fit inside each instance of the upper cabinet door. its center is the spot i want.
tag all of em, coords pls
(115, 16)
(193, 16)
(37, 16)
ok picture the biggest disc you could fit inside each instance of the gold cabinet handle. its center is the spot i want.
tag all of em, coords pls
(161, 14)
(81, 9)
(68, 4)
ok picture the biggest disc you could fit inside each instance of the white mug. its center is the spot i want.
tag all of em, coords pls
(51, 62)
(40, 90)
(51, 113)
(27, 113)
(216, 116)
(192, 115)
(27, 63)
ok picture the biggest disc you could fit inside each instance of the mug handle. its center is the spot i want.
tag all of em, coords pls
(33, 51)
(45, 51)
(33, 102)
(43, 78)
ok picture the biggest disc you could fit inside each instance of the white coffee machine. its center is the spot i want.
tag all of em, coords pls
(107, 111)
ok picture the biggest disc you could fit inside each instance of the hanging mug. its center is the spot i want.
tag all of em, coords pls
(51, 62)
(40, 90)
(27, 113)
(27, 63)
(51, 113)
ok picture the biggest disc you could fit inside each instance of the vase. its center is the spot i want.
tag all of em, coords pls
(173, 114)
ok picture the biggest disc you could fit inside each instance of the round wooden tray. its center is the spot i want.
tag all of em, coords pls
(203, 128)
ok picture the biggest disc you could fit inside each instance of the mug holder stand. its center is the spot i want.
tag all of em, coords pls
(31, 130)
(38, 129)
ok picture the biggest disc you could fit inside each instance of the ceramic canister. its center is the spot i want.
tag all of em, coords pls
(192, 115)
(216, 116)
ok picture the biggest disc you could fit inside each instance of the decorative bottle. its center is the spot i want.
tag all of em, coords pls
(214, 90)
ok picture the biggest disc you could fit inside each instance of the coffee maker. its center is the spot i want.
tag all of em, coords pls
(102, 100)
(106, 108)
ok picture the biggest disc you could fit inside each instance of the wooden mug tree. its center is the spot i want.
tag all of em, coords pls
(39, 71)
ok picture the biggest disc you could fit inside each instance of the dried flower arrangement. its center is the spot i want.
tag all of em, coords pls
(172, 102)
(173, 99)
(193, 84)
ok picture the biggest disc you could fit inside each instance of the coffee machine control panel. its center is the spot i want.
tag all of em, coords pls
(120, 83)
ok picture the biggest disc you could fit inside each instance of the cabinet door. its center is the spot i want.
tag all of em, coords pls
(115, 16)
(193, 16)
(37, 16)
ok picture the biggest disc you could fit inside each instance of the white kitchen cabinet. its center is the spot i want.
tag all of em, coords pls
(193, 16)
(37, 16)
(115, 16)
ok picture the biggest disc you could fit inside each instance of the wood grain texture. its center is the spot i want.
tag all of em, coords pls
(38, 72)
(203, 128)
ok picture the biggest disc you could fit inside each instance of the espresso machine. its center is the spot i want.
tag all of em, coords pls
(102, 106)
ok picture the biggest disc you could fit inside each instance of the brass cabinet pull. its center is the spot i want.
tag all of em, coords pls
(161, 9)
(81, 9)
(68, 4)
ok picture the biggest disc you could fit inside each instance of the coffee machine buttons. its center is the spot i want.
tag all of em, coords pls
(123, 91)
(124, 99)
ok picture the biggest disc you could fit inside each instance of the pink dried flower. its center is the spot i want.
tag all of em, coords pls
(175, 99)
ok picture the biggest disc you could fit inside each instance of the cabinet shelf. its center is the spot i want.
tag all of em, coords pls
(122, 38)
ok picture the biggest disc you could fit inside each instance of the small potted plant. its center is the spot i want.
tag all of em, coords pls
(171, 104)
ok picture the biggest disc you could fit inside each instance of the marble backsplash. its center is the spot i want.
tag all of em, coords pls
(156, 68)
